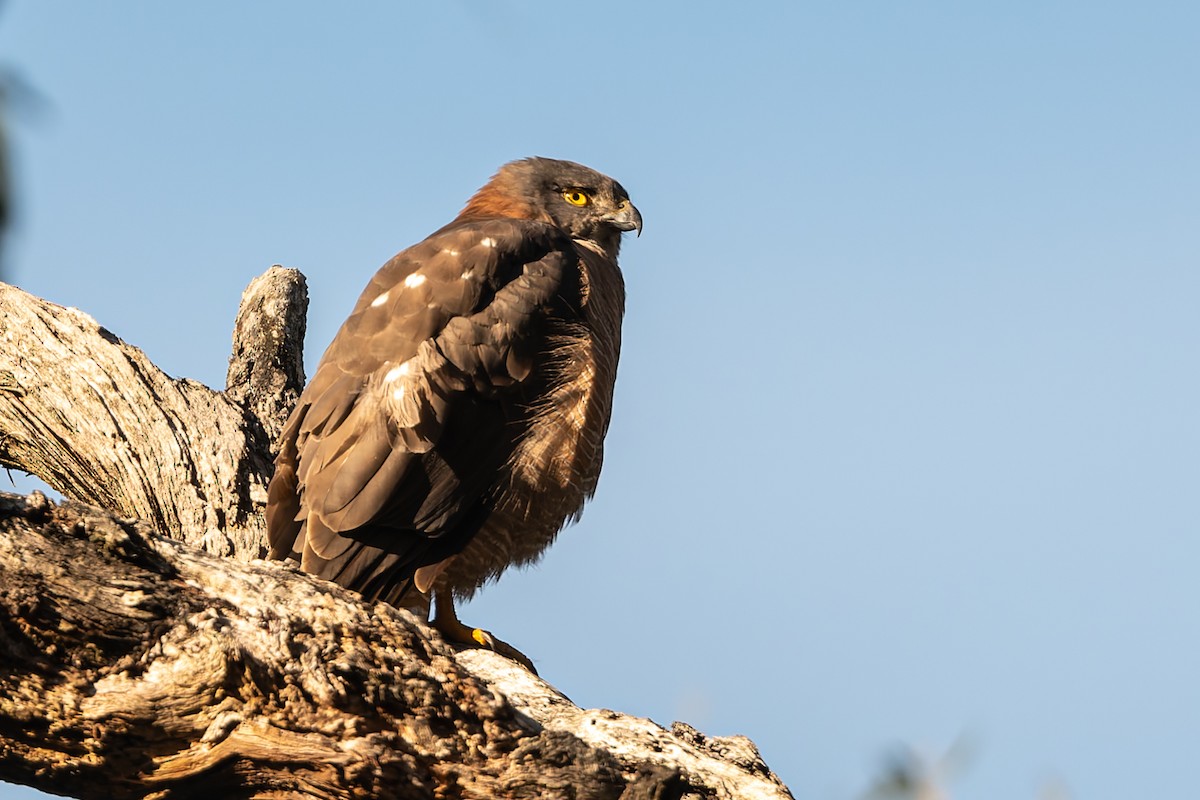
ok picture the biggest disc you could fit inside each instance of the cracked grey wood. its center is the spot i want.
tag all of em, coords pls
(96, 420)
(140, 666)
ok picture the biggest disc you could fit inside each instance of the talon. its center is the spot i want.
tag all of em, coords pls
(446, 621)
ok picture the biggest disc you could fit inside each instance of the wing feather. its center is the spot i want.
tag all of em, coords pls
(412, 411)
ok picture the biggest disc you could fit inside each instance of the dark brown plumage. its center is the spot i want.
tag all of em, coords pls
(456, 422)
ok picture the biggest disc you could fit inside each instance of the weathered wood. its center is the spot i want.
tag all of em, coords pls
(96, 420)
(266, 370)
(136, 666)
(133, 664)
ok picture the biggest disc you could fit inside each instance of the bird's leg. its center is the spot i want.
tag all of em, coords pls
(446, 621)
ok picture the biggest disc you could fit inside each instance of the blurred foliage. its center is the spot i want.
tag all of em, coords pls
(17, 96)
(911, 774)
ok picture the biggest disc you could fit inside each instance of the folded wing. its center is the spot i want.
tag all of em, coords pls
(390, 460)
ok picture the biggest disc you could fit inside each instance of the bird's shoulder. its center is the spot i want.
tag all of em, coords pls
(479, 250)
(455, 272)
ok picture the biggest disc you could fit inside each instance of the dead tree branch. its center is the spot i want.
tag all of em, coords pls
(91, 416)
(136, 665)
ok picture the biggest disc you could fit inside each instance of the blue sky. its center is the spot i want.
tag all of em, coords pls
(906, 432)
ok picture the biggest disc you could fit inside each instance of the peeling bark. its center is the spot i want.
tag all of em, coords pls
(135, 664)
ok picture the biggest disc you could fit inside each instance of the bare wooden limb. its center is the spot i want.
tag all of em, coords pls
(719, 767)
(266, 370)
(136, 666)
(95, 419)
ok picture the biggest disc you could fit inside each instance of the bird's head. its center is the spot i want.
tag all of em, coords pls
(591, 207)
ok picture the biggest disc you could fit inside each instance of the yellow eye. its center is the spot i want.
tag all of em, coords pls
(576, 197)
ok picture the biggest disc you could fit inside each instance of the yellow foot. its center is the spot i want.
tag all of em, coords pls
(447, 623)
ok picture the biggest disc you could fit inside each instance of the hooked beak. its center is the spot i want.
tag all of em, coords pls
(626, 218)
